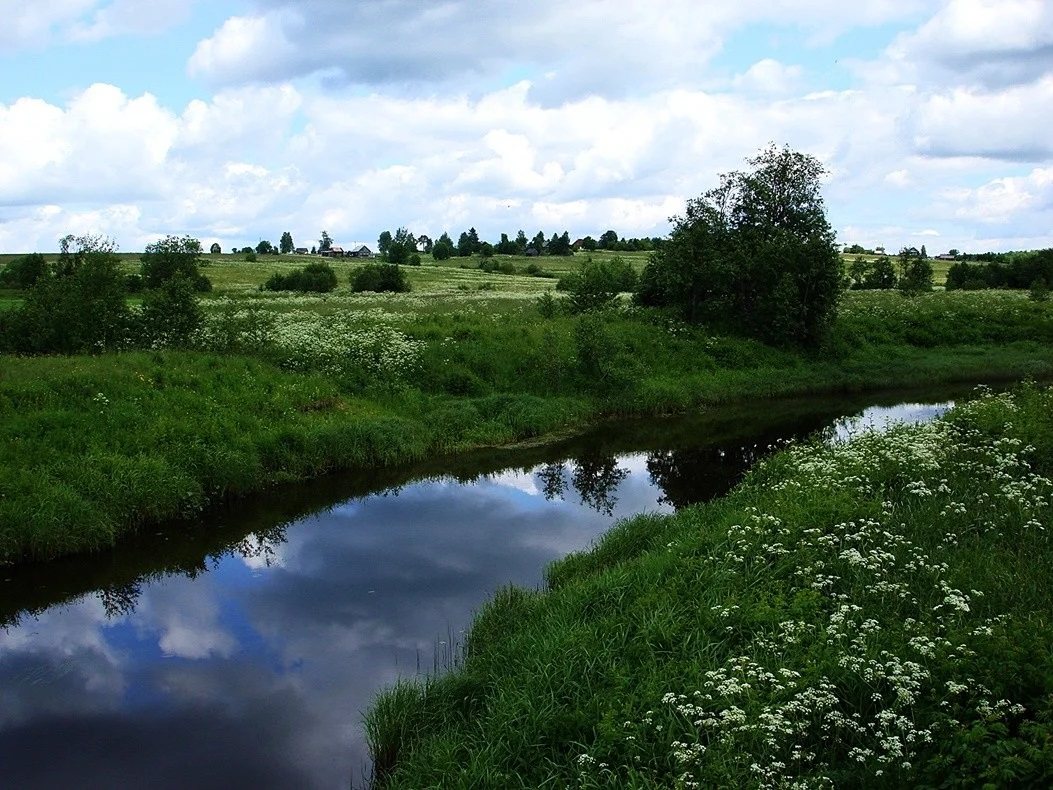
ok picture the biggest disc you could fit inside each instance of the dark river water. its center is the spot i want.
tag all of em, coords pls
(241, 651)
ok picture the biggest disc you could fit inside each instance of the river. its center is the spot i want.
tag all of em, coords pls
(241, 650)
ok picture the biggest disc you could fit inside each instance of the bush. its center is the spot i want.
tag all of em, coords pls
(23, 273)
(379, 277)
(596, 284)
(316, 277)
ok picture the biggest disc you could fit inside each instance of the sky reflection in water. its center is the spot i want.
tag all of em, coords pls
(256, 671)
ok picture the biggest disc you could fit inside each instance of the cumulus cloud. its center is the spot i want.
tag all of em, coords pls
(983, 44)
(595, 47)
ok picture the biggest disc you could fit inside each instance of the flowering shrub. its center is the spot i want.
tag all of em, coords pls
(890, 658)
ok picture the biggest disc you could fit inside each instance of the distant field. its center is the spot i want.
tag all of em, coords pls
(234, 272)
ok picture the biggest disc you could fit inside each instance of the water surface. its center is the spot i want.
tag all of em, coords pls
(242, 650)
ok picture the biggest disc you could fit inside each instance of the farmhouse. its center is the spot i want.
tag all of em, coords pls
(946, 257)
(359, 251)
(334, 252)
(301, 251)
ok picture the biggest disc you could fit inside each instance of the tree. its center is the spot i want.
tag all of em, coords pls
(538, 242)
(589, 244)
(401, 247)
(464, 245)
(264, 248)
(924, 252)
(78, 307)
(170, 258)
(23, 273)
(755, 254)
(384, 242)
(215, 249)
(325, 243)
(915, 272)
(443, 249)
(379, 277)
(608, 240)
(286, 243)
(521, 242)
(424, 243)
(560, 245)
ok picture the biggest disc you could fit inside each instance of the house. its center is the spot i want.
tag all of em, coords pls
(945, 257)
(359, 251)
(301, 251)
(334, 252)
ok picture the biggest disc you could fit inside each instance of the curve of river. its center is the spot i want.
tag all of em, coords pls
(241, 651)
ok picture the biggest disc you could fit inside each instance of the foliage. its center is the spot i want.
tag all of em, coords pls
(401, 248)
(23, 273)
(325, 243)
(215, 249)
(285, 244)
(1017, 271)
(877, 275)
(264, 247)
(380, 277)
(169, 315)
(80, 308)
(915, 272)
(172, 257)
(1039, 290)
(755, 255)
(317, 277)
(443, 249)
(596, 284)
(863, 614)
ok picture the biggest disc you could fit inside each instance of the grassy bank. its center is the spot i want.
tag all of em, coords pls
(871, 614)
(283, 387)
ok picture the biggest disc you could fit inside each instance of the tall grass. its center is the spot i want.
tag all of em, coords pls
(285, 387)
(867, 614)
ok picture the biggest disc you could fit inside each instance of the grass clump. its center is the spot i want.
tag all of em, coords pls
(871, 613)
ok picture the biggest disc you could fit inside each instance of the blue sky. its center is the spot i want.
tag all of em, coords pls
(235, 121)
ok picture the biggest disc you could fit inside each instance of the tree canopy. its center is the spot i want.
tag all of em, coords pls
(755, 255)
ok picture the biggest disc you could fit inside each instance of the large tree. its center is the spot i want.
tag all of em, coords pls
(172, 257)
(756, 254)
(285, 244)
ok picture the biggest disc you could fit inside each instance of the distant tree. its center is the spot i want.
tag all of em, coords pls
(23, 273)
(473, 237)
(915, 272)
(486, 249)
(755, 254)
(379, 277)
(401, 247)
(248, 251)
(953, 252)
(314, 250)
(608, 240)
(596, 284)
(171, 258)
(286, 243)
(425, 244)
(384, 242)
(505, 246)
(215, 249)
(233, 250)
(589, 244)
(464, 245)
(325, 243)
(924, 252)
(78, 307)
(521, 242)
(881, 275)
(443, 249)
(264, 248)
(538, 242)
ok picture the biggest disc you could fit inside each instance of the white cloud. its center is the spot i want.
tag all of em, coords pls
(34, 23)
(1007, 200)
(769, 76)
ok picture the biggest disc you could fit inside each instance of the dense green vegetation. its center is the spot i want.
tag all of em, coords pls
(869, 614)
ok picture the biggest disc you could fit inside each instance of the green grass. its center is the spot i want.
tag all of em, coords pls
(286, 386)
(868, 615)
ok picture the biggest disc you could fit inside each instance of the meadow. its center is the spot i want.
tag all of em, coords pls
(280, 386)
(872, 613)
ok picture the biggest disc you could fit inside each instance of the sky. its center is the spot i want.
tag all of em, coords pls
(236, 120)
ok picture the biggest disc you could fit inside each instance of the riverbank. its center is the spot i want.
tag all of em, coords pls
(92, 448)
(865, 614)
